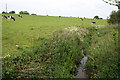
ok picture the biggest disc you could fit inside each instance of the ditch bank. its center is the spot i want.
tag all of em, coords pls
(58, 57)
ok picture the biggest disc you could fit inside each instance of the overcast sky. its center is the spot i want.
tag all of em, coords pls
(81, 8)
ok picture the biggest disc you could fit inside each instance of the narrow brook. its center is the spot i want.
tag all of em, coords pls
(81, 69)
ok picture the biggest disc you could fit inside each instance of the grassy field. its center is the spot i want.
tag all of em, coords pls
(24, 30)
(57, 53)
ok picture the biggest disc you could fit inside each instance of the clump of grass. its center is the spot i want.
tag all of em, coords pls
(32, 28)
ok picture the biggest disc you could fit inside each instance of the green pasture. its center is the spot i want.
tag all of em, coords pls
(24, 31)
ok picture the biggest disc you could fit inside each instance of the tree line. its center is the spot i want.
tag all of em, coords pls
(21, 12)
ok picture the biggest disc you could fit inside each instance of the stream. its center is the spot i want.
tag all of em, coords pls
(81, 69)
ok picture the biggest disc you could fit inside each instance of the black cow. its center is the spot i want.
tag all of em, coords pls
(11, 17)
(20, 16)
(59, 16)
(3, 16)
(93, 22)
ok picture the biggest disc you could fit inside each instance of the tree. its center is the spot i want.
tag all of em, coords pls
(33, 14)
(23, 12)
(3, 12)
(114, 17)
(113, 2)
(100, 18)
(12, 12)
(96, 17)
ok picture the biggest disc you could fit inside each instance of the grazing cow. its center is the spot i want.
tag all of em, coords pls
(93, 22)
(3, 16)
(81, 19)
(20, 16)
(11, 17)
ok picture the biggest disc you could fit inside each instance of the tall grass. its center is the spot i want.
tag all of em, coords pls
(104, 51)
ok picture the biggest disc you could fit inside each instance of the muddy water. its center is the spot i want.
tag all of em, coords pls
(81, 69)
